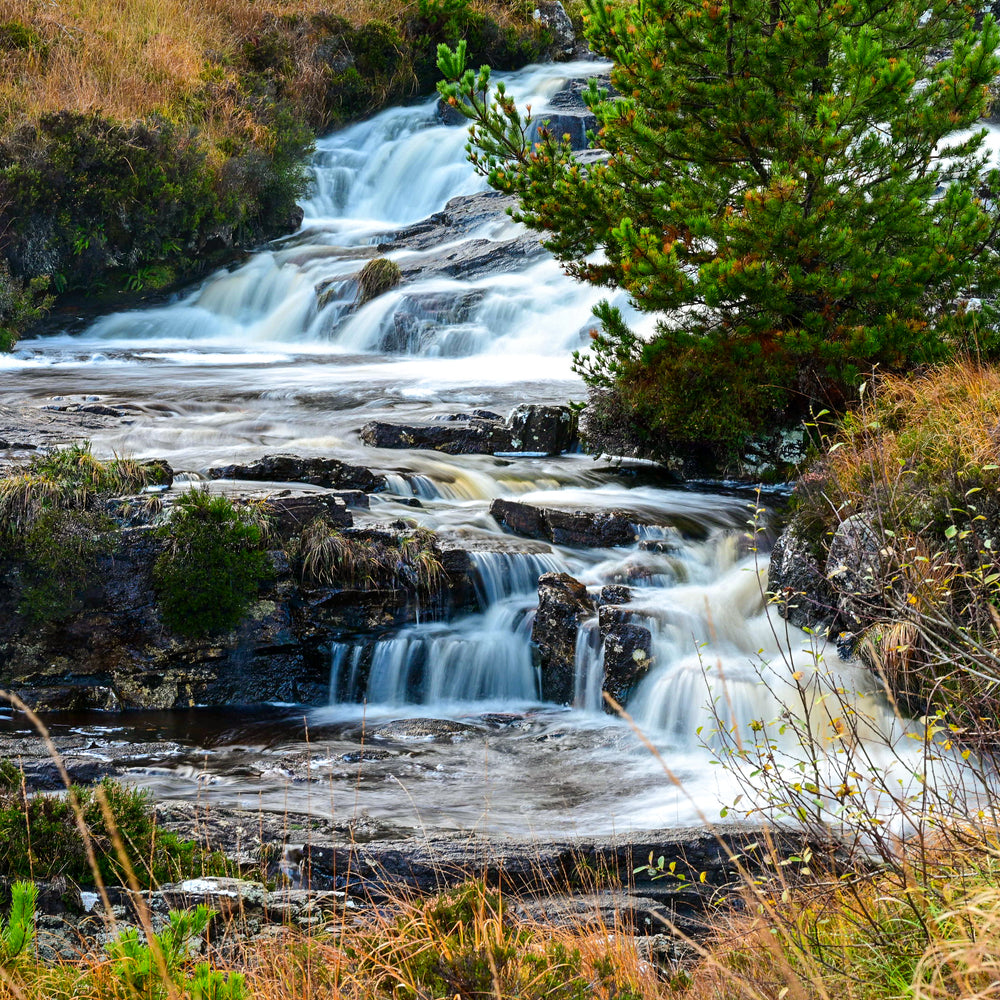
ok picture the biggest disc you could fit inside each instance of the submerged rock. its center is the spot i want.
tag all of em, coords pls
(563, 606)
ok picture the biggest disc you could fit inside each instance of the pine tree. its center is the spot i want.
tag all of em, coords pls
(791, 187)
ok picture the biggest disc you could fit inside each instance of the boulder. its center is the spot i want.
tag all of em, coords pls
(854, 569)
(550, 430)
(563, 605)
(553, 16)
(291, 514)
(328, 472)
(799, 589)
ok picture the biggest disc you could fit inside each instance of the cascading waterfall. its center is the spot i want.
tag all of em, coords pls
(277, 355)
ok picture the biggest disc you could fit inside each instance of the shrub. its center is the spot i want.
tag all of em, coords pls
(167, 971)
(214, 563)
(42, 839)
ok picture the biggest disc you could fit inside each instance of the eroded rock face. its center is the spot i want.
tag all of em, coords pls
(563, 605)
(627, 651)
(801, 592)
(853, 567)
(328, 472)
(116, 652)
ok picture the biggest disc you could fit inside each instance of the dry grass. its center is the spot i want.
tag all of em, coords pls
(914, 436)
(129, 58)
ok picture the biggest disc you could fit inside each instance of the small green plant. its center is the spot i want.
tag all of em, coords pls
(140, 968)
(376, 278)
(213, 565)
(15, 36)
(18, 933)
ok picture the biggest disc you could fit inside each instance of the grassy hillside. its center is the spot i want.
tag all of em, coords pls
(141, 139)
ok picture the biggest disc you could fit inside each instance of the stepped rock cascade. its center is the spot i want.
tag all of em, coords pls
(279, 356)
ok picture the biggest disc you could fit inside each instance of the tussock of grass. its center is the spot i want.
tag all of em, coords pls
(376, 278)
(328, 558)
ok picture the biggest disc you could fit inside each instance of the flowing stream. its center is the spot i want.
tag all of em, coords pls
(273, 356)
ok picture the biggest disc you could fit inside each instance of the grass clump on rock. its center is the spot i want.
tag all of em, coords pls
(376, 278)
(213, 565)
(328, 558)
(52, 530)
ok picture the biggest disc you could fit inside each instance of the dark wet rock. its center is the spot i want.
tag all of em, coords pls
(447, 115)
(800, 590)
(546, 429)
(567, 115)
(530, 428)
(627, 652)
(616, 593)
(563, 606)
(474, 437)
(327, 472)
(586, 528)
(590, 529)
(471, 415)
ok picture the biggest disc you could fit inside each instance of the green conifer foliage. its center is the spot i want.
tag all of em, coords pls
(796, 188)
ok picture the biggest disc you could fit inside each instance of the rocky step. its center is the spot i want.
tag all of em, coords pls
(530, 429)
(330, 473)
(585, 529)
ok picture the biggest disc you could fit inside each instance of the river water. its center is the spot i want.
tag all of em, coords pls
(257, 359)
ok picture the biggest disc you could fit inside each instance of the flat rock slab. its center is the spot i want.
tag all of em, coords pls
(27, 428)
(330, 473)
